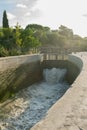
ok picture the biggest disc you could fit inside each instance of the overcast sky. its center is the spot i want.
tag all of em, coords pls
(52, 13)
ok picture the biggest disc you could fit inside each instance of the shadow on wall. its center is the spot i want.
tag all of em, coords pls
(14, 79)
(72, 70)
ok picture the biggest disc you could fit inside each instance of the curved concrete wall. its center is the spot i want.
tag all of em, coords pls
(73, 66)
(70, 112)
(21, 71)
(76, 60)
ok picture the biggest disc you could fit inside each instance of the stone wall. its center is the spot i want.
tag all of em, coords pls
(18, 72)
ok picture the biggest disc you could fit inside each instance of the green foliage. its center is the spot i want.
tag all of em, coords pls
(29, 40)
(84, 45)
(17, 41)
(34, 26)
(14, 51)
(20, 41)
(16, 36)
(63, 30)
(5, 20)
(39, 32)
(1, 34)
(56, 40)
(3, 51)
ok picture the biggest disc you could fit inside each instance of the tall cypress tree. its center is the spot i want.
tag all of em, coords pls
(5, 20)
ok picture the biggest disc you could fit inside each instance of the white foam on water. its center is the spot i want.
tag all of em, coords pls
(54, 75)
(33, 102)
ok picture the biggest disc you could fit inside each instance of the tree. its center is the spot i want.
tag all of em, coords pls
(63, 30)
(29, 41)
(54, 39)
(17, 37)
(34, 26)
(5, 20)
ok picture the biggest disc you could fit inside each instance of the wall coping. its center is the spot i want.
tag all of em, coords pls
(70, 111)
(19, 56)
(15, 61)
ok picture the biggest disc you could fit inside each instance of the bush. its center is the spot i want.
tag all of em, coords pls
(3, 52)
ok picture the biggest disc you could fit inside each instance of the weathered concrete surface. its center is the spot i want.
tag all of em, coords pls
(73, 69)
(17, 61)
(18, 72)
(70, 112)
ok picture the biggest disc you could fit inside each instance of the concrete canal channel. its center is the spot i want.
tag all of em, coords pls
(47, 80)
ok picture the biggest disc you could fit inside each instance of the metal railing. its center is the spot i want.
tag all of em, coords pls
(53, 53)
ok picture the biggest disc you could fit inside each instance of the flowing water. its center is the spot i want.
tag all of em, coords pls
(32, 103)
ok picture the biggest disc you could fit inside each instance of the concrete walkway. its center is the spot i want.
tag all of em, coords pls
(70, 112)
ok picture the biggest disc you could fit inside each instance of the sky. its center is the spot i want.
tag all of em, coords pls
(51, 13)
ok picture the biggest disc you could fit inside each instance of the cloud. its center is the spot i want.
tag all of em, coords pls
(10, 16)
(21, 11)
(21, 6)
(26, 9)
(85, 15)
(27, 14)
(29, 3)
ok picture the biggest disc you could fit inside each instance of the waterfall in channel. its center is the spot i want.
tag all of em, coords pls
(32, 103)
(54, 75)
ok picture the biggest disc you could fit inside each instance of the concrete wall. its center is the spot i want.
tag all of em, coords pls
(69, 113)
(76, 60)
(18, 72)
(73, 66)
